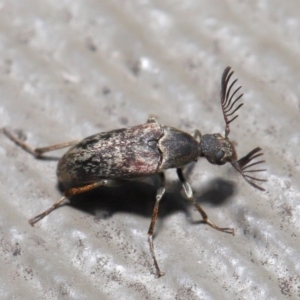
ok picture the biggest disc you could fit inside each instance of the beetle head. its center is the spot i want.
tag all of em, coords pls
(218, 149)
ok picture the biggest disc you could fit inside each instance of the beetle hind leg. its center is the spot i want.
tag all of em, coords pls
(189, 193)
(69, 193)
(160, 192)
(46, 212)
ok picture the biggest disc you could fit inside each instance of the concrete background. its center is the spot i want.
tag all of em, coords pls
(69, 69)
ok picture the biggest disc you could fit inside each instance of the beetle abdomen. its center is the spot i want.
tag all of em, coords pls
(123, 153)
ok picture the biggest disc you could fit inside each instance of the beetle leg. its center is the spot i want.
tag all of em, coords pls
(69, 193)
(197, 134)
(152, 120)
(189, 193)
(46, 212)
(160, 192)
(36, 152)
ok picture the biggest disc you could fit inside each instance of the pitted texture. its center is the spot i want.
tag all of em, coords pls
(122, 153)
(178, 148)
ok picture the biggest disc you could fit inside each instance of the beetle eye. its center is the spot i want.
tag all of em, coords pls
(219, 155)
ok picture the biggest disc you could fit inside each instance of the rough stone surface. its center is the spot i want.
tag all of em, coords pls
(70, 69)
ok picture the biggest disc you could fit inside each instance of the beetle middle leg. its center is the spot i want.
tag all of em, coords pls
(36, 152)
(152, 119)
(160, 192)
(197, 134)
(189, 193)
(70, 193)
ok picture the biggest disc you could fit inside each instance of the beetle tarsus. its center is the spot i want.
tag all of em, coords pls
(159, 273)
(47, 212)
(189, 194)
(159, 194)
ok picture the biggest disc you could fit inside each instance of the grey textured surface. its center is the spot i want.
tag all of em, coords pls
(69, 69)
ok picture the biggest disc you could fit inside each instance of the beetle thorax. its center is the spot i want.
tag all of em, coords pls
(178, 148)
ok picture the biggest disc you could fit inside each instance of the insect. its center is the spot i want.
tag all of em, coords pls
(105, 159)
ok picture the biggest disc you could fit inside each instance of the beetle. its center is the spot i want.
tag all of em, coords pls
(105, 159)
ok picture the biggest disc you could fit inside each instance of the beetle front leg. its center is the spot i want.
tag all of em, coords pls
(36, 152)
(189, 193)
(160, 192)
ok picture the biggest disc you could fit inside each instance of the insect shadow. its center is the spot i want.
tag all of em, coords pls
(137, 197)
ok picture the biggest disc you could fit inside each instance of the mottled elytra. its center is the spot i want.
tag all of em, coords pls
(106, 159)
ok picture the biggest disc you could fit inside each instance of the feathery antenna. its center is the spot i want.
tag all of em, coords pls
(242, 166)
(228, 104)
